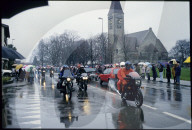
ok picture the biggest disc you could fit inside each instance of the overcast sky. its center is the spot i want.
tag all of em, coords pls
(169, 21)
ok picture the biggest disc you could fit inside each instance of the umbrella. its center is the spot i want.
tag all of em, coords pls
(11, 54)
(188, 60)
(141, 63)
(161, 63)
(18, 66)
(173, 61)
(14, 65)
(27, 68)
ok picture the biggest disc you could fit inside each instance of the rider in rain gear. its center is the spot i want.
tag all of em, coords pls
(51, 69)
(122, 74)
(79, 72)
(61, 74)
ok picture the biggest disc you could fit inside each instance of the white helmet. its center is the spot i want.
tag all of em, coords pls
(122, 64)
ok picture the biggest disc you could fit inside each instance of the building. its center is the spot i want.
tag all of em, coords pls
(4, 34)
(135, 47)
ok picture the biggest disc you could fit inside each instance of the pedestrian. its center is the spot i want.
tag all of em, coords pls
(161, 72)
(148, 70)
(177, 73)
(168, 73)
(137, 69)
(143, 71)
(154, 72)
(173, 72)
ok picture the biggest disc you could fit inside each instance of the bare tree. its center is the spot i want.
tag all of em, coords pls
(181, 50)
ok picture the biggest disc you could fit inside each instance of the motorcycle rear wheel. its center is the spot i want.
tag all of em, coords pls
(139, 99)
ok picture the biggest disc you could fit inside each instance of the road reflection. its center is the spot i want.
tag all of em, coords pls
(129, 117)
(66, 109)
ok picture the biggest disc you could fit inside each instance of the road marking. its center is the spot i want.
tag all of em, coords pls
(178, 117)
(34, 116)
(149, 107)
(32, 122)
(112, 93)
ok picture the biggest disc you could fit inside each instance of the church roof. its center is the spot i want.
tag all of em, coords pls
(139, 35)
(115, 7)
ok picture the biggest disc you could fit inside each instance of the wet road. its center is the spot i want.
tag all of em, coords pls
(42, 106)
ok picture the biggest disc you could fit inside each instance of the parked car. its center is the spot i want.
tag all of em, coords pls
(91, 74)
(7, 73)
(108, 74)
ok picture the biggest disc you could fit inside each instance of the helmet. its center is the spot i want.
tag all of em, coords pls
(81, 66)
(128, 65)
(122, 64)
(65, 66)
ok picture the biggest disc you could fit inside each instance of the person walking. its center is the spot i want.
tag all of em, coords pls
(173, 72)
(168, 73)
(161, 72)
(148, 70)
(143, 71)
(178, 73)
(137, 68)
(154, 72)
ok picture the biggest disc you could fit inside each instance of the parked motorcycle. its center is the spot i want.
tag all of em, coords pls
(83, 80)
(132, 90)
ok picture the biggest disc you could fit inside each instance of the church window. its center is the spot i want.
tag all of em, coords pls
(119, 21)
(110, 23)
(116, 51)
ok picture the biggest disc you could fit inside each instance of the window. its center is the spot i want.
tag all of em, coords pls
(105, 72)
(115, 71)
(109, 71)
(116, 51)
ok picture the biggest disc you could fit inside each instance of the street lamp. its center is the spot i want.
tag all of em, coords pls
(102, 41)
(12, 41)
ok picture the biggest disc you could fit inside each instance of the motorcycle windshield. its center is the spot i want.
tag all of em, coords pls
(84, 74)
(67, 73)
(134, 75)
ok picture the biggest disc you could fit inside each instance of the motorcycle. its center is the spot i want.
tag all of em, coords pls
(132, 90)
(43, 76)
(51, 74)
(66, 87)
(83, 80)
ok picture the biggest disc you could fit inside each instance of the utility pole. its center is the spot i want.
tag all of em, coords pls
(103, 52)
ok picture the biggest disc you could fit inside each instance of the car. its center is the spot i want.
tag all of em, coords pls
(91, 74)
(109, 73)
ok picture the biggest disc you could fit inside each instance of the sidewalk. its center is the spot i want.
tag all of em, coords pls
(182, 82)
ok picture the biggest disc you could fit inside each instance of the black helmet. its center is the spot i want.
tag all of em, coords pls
(128, 65)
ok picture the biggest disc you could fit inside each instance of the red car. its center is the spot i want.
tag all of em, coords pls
(108, 74)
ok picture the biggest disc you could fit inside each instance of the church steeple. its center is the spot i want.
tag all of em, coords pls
(116, 31)
(115, 7)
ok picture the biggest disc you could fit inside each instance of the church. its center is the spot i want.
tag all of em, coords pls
(142, 46)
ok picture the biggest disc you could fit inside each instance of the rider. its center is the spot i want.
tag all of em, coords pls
(79, 72)
(61, 74)
(122, 64)
(51, 69)
(43, 70)
(122, 74)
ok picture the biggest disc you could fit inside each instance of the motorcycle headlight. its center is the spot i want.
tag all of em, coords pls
(138, 82)
(85, 78)
(68, 79)
(43, 71)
